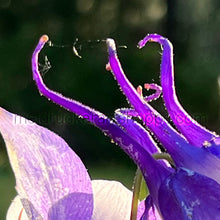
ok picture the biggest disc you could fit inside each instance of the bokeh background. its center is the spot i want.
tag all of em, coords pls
(192, 27)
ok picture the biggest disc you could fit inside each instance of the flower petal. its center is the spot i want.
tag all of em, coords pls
(46, 169)
(73, 206)
(111, 200)
(213, 146)
(189, 195)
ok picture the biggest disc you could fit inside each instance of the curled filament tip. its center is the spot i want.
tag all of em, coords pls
(108, 67)
(148, 86)
(44, 38)
(155, 87)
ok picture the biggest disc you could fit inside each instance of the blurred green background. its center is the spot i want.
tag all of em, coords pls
(192, 27)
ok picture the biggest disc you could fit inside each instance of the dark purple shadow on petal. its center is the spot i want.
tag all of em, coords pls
(73, 206)
(214, 149)
(187, 195)
(193, 131)
(30, 210)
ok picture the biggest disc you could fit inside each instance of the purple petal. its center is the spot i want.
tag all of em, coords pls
(30, 210)
(46, 169)
(189, 195)
(193, 131)
(213, 146)
(197, 159)
(72, 206)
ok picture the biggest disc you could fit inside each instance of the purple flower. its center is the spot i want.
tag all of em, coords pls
(51, 180)
(188, 190)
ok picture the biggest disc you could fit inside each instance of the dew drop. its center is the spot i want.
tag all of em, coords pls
(206, 144)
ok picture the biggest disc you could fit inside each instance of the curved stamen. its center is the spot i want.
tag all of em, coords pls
(148, 86)
(183, 153)
(193, 131)
(157, 93)
(152, 171)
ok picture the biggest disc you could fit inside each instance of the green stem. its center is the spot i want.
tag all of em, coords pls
(164, 156)
(138, 180)
(136, 192)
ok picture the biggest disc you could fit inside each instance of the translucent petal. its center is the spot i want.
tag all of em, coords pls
(112, 201)
(46, 168)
